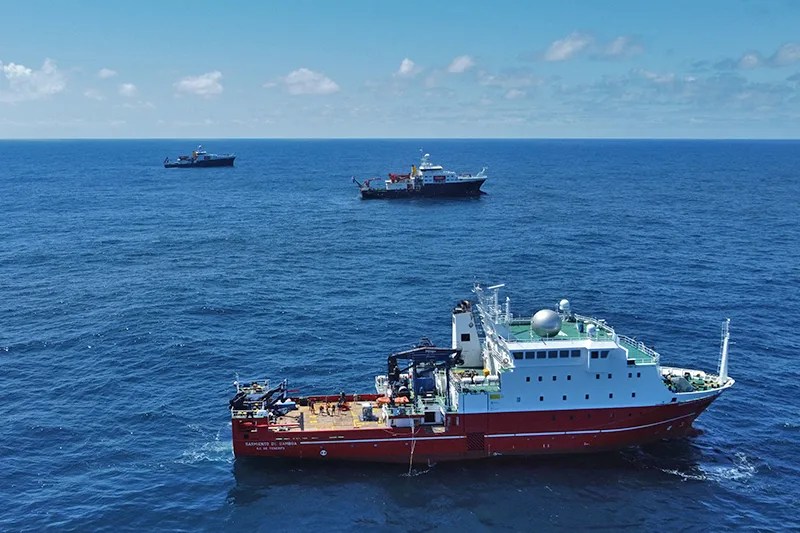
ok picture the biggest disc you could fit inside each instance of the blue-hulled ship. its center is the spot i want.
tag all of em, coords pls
(200, 158)
(427, 180)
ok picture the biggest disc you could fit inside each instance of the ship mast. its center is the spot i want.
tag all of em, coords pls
(723, 359)
(495, 310)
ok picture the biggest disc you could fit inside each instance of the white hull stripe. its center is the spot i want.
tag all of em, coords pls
(589, 432)
(396, 439)
(500, 435)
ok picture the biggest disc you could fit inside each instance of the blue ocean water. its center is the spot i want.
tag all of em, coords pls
(130, 295)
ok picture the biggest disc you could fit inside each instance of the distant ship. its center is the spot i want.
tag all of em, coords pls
(428, 180)
(200, 158)
(553, 383)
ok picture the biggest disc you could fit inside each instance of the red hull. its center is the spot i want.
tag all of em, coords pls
(475, 436)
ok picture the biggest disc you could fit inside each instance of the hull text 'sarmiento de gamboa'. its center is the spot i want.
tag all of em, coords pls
(556, 382)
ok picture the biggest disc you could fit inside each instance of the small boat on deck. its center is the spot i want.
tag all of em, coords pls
(200, 158)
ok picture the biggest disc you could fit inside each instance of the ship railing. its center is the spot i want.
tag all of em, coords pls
(422, 403)
(502, 337)
(599, 322)
(478, 321)
(495, 313)
(639, 345)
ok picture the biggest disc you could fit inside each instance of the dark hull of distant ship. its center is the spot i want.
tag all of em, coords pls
(464, 189)
(202, 163)
(475, 436)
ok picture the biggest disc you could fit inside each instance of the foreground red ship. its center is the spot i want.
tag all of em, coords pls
(553, 383)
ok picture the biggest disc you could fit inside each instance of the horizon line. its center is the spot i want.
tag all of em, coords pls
(402, 138)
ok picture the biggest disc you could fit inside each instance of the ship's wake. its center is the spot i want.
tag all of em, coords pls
(741, 470)
(215, 450)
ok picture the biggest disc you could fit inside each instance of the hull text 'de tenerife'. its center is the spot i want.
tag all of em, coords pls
(556, 382)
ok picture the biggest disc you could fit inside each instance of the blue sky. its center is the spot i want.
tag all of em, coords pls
(410, 69)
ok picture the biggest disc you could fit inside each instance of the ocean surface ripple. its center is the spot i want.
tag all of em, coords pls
(131, 296)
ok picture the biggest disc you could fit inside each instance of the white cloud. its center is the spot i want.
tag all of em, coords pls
(305, 81)
(515, 94)
(513, 79)
(94, 95)
(786, 55)
(138, 105)
(407, 69)
(569, 46)
(24, 83)
(432, 80)
(655, 77)
(128, 90)
(105, 73)
(750, 60)
(622, 46)
(206, 85)
(461, 64)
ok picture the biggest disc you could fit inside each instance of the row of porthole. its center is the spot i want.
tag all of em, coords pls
(597, 376)
(564, 397)
(610, 396)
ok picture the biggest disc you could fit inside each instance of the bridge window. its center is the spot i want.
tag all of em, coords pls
(518, 355)
(541, 355)
(563, 353)
(465, 337)
(575, 353)
(604, 354)
(530, 355)
(595, 354)
(552, 354)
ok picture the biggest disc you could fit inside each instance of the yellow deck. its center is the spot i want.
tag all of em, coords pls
(328, 419)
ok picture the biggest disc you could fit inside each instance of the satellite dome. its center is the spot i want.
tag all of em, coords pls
(546, 323)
